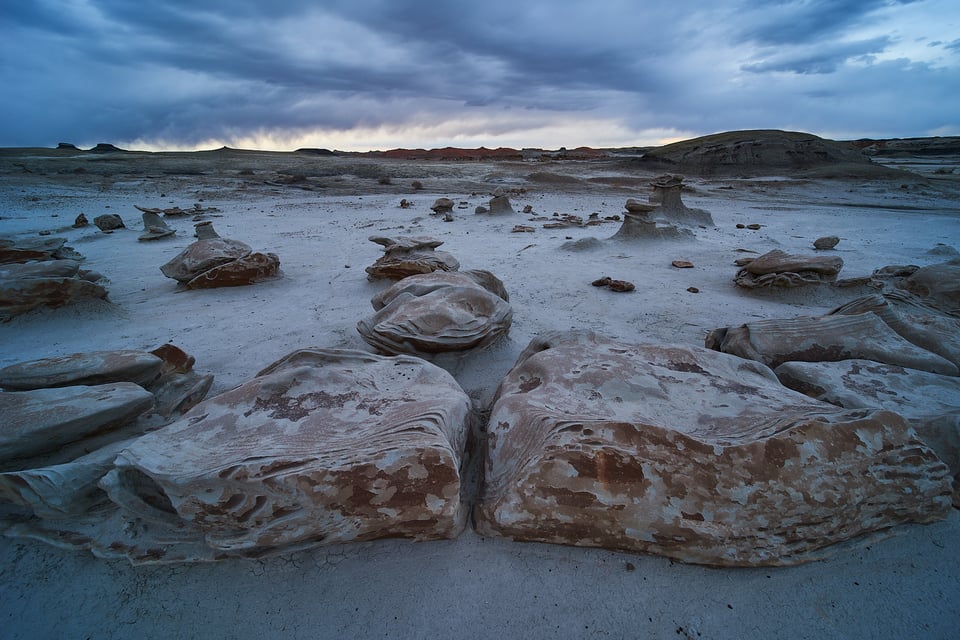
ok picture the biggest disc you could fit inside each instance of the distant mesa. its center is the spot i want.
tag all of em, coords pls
(757, 152)
(316, 152)
(105, 147)
(909, 146)
(67, 145)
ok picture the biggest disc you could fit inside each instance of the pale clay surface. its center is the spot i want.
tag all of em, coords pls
(906, 586)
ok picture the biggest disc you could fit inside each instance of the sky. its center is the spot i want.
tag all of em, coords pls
(357, 75)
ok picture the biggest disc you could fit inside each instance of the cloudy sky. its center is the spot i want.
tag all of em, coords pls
(376, 74)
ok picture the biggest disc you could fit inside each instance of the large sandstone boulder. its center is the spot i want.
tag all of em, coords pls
(825, 339)
(939, 284)
(930, 402)
(35, 249)
(323, 446)
(409, 255)
(438, 312)
(692, 454)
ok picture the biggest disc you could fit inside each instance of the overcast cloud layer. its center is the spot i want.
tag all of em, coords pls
(363, 74)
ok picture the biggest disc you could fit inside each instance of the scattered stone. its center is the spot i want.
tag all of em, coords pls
(405, 204)
(500, 203)
(682, 264)
(621, 286)
(409, 255)
(438, 312)
(528, 208)
(740, 225)
(80, 221)
(154, 228)
(480, 210)
(523, 228)
(754, 226)
(826, 242)
(693, 290)
(780, 269)
(691, 454)
(602, 282)
(109, 222)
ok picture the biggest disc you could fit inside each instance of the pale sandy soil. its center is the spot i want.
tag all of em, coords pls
(903, 584)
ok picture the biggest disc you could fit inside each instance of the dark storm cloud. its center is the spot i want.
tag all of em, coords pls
(183, 72)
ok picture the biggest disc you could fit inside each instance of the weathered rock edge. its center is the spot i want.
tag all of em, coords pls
(691, 454)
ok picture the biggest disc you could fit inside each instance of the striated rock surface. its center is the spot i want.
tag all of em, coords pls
(691, 454)
(90, 368)
(53, 283)
(409, 255)
(938, 284)
(438, 312)
(322, 446)
(213, 261)
(36, 249)
(202, 256)
(780, 269)
(930, 402)
(41, 420)
(825, 339)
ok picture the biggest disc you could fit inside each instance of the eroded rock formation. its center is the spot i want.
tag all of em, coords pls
(213, 261)
(692, 454)
(323, 446)
(438, 312)
(780, 269)
(406, 256)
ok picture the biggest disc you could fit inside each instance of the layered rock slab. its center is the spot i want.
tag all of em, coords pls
(691, 454)
(322, 446)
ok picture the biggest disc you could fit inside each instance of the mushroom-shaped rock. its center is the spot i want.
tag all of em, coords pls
(42, 420)
(323, 446)
(438, 312)
(691, 454)
(639, 224)
(409, 255)
(666, 194)
(154, 227)
(442, 205)
(780, 269)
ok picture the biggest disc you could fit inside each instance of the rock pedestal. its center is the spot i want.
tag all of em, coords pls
(409, 255)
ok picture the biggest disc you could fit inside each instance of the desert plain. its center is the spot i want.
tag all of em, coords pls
(315, 210)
